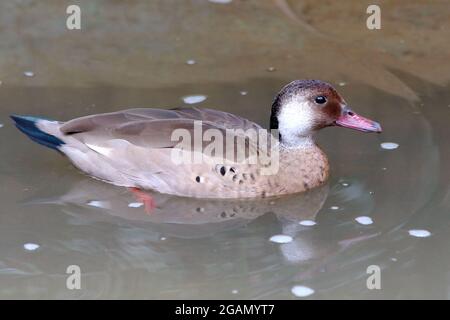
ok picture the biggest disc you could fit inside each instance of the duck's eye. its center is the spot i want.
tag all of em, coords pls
(320, 99)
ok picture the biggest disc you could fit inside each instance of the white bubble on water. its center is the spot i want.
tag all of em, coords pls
(194, 99)
(271, 69)
(234, 291)
(28, 74)
(98, 204)
(135, 204)
(243, 93)
(334, 208)
(31, 246)
(302, 291)
(307, 223)
(364, 220)
(191, 62)
(419, 233)
(221, 1)
(1, 125)
(281, 238)
(389, 145)
(342, 83)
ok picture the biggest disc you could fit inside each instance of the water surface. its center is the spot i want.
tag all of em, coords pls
(135, 55)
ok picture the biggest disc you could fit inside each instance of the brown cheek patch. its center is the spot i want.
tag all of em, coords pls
(328, 114)
(333, 110)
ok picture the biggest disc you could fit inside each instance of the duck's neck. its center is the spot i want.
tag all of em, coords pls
(297, 142)
(303, 164)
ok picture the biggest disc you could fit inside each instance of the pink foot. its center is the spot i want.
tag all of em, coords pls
(145, 198)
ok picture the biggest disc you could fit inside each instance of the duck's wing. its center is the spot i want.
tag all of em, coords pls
(122, 118)
(162, 129)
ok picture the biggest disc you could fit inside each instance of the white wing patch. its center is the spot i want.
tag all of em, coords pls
(106, 149)
(102, 150)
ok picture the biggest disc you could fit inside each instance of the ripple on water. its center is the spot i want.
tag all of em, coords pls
(302, 291)
(31, 246)
(364, 220)
(389, 145)
(194, 99)
(281, 238)
(419, 233)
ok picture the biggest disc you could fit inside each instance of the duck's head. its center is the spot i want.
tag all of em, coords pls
(305, 106)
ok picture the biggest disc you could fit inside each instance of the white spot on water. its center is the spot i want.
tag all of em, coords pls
(28, 74)
(135, 204)
(302, 291)
(389, 145)
(1, 125)
(234, 291)
(191, 62)
(394, 259)
(243, 93)
(364, 220)
(271, 69)
(345, 184)
(163, 238)
(281, 238)
(31, 246)
(194, 99)
(419, 233)
(308, 223)
(98, 204)
(342, 83)
(220, 1)
(334, 208)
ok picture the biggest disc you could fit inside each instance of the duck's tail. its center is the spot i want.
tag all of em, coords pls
(33, 128)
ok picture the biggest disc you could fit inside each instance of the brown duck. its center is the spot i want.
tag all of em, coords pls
(137, 148)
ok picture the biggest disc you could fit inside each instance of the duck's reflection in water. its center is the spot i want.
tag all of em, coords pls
(183, 217)
(209, 242)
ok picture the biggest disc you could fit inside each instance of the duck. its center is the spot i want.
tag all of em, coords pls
(137, 148)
